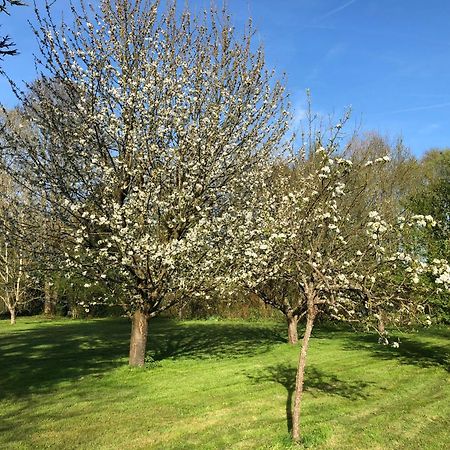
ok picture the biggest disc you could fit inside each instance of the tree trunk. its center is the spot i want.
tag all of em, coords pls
(138, 341)
(50, 300)
(312, 312)
(381, 323)
(12, 312)
(74, 312)
(292, 321)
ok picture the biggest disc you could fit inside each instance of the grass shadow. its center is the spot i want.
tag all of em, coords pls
(39, 357)
(202, 340)
(316, 382)
(410, 351)
(36, 359)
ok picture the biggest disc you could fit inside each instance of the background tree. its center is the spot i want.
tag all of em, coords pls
(16, 262)
(432, 197)
(36, 232)
(383, 189)
(7, 47)
(387, 187)
(158, 124)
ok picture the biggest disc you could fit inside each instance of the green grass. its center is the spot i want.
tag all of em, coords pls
(217, 385)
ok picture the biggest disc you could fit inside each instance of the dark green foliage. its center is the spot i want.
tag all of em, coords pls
(432, 197)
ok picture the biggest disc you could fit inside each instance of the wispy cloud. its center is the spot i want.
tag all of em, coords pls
(336, 10)
(418, 108)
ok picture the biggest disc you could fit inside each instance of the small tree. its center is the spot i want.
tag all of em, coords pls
(308, 241)
(15, 261)
(11, 279)
(14, 278)
(150, 126)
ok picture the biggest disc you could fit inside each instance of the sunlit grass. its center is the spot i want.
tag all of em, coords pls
(217, 385)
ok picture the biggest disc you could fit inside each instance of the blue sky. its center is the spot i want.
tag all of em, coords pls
(387, 59)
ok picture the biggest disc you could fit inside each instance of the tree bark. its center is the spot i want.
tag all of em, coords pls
(138, 341)
(12, 312)
(311, 315)
(292, 321)
(50, 300)
(381, 323)
(74, 312)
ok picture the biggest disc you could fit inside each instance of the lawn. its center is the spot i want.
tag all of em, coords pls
(217, 385)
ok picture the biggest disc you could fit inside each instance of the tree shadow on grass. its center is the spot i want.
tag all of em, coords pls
(410, 351)
(316, 382)
(38, 358)
(202, 340)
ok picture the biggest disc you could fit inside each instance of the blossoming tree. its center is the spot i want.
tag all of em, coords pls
(149, 125)
(310, 249)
